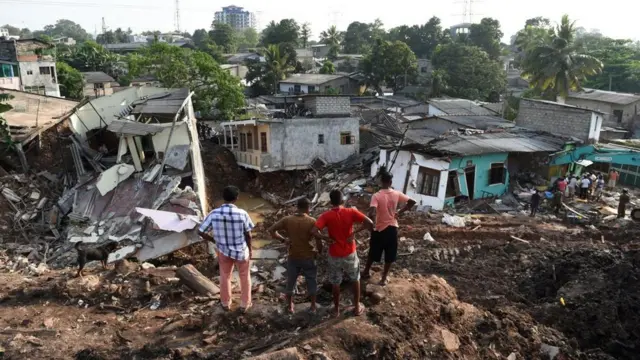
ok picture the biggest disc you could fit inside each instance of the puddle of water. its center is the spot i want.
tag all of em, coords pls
(255, 206)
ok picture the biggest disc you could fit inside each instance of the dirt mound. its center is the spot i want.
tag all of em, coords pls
(220, 169)
(601, 293)
(422, 318)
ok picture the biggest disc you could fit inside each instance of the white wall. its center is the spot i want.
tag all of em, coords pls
(595, 127)
(35, 79)
(408, 163)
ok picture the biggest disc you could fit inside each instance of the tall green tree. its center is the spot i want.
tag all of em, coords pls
(487, 35)
(333, 38)
(91, 56)
(467, 72)
(389, 63)
(305, 34)
(64, 28)
(216, 92)
(285, 31)
(621, 63)
(557, 66)
(280, 62)
(70, 81)
(327, 68)
(247, 38)
(422, 39)
(224, 36)
(358, 38)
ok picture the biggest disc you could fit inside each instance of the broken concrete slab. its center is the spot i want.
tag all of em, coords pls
(278, 273)
(177, 156)
(170, 221)
(166, 245)
(121, 253)
(84, 239)
(110, 178)
(450, 340)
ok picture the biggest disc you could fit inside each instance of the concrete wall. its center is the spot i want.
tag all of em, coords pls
(560, 120)
(91, 91)
(628, 111)
(35, 79)
(294, 143)
(10, 83)
(329, 105)
(482, 165)
(405, 171)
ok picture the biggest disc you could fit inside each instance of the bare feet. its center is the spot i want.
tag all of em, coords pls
(313, 308)
(384, 282)
(292, 308)
(358, 310)
(336, 312)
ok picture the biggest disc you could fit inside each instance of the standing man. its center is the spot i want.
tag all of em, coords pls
(584, 187)
(384, 238)
(556, 202)
(302, 254)
(599, 188)
(622, 205)
(562, 185)
(535, 203)
(231, 228)
(613, 178)
(342, 249)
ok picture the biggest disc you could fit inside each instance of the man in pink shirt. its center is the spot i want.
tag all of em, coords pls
(384, 238)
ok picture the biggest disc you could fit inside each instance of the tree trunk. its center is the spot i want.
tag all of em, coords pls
(196, 281)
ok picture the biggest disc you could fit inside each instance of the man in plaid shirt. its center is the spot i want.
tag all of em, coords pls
(231, 229)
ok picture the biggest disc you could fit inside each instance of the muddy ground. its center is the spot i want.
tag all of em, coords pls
(473, 294)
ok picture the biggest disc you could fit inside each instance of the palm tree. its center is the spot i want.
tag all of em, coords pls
(333, 38)
(556, 65)
(277, 65)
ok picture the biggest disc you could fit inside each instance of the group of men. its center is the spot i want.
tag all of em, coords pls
(589, 186)
(230, 229)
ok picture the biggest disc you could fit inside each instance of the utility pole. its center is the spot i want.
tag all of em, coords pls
(104, 26)
(610, 81)
(177, 16)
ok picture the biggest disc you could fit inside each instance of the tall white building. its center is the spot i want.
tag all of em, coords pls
(236, 16)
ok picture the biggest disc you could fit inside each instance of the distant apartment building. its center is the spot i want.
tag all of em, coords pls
(236, 16)
(65, 41)
(27, 66)
(4, 32)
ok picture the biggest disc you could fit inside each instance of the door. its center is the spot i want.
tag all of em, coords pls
(470, 176)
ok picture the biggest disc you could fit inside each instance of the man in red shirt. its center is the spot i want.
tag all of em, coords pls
(343, 256)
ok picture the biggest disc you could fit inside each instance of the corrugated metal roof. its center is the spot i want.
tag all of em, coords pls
(311, 79)
(503, 142)
(93, 77)
(605, 96)
(478, 121)
(460, 107)
(167, 103)
(133, 128)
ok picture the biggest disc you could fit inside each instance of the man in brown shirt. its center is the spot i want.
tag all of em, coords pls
(302, 253)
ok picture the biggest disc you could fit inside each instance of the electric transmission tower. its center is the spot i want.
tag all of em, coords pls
(177, 16)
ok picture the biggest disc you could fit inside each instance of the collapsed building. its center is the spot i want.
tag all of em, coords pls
(135, 156)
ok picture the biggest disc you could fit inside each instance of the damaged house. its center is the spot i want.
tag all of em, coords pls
(323, 129)
(137, 157)
(453, 167)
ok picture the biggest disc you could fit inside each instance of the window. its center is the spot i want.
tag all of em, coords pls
(5, 70)
(428, 181)
(263, 142)
(497, 174)
(347, 139)
(341, 89)
(423, 69)
(45, 70)
(250, 141)
(98, 86)
(320, 138)
(312, 89)
(617, 114)
(29, 72)
(296, 89)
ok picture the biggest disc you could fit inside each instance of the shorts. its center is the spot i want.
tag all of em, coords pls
(384, 241)
(338, 265)
(612, 183)
(308, 269)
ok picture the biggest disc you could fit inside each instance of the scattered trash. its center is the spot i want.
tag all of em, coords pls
(454, 221)
(428, 237)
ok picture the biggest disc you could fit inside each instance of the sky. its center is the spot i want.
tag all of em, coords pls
(141, 15)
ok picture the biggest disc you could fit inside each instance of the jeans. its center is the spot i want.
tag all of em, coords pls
(308, 269)
(244, 269)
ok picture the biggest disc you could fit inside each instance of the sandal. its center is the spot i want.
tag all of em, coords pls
(358, 310)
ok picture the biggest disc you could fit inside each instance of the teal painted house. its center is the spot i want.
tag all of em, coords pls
(462, 166)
